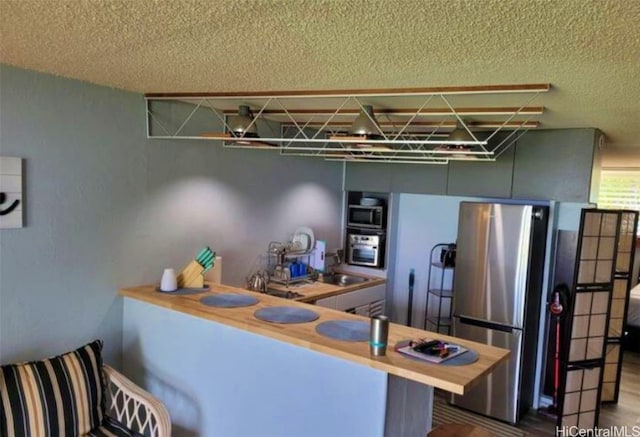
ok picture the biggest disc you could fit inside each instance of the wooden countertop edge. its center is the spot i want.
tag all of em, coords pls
(338, 350)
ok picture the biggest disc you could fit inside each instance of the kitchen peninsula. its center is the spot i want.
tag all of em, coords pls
(221, 371)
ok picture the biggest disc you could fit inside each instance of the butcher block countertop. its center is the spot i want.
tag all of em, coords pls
(312, 291)
(455, 379)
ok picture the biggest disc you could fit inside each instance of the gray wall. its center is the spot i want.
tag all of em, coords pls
(559, 164)
(107, 208)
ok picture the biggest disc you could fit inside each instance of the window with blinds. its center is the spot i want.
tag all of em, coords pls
(620, 189)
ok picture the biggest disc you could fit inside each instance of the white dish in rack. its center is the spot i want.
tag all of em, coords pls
(370, 201)
(303, 239)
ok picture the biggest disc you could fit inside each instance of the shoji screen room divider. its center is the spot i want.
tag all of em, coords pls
(592, 354)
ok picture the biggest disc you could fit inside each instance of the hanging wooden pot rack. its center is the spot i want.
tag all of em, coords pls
(412, 125)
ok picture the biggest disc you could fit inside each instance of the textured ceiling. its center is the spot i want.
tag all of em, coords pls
(589, 50)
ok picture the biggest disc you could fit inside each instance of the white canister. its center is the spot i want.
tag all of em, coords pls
(214, 275)
(169, 281)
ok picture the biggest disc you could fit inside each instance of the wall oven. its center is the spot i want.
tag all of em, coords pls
(365, 249)
(366, 217)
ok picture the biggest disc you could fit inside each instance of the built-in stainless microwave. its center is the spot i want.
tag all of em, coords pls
(367, 217)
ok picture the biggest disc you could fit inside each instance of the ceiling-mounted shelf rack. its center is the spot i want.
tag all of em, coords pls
(414, 125)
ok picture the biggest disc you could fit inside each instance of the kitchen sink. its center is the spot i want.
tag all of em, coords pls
(342, 279)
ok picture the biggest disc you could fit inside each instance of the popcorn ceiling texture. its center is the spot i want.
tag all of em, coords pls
(588, 49)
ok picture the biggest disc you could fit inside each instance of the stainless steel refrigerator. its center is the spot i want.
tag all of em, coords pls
(497, 298)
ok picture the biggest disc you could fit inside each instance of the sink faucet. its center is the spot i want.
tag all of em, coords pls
(337, 259)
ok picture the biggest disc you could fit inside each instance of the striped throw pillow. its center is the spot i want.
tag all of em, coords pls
(59, 396)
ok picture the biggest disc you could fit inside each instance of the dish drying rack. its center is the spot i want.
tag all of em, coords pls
(277, 255)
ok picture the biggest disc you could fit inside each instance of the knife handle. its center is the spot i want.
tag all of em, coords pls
(210, 264)
(207, 259)
(203, 252)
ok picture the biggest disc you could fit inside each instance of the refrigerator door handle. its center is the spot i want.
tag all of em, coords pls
(485, 324)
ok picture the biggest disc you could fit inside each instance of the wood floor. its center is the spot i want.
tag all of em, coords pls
(625, 412)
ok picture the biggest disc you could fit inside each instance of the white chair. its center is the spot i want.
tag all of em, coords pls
(134, 407)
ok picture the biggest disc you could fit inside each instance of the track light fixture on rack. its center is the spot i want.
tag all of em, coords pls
(337, 125)
(243, 124)
(366, 124)
(461, 134)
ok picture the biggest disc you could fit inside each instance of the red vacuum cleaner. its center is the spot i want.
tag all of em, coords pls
(558, 307)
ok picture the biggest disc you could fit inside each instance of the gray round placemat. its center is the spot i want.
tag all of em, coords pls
(286, 315)
(229, 300)
(469, 357)
(184, 291)
(347, 330)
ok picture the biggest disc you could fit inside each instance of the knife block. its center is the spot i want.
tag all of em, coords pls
(191, 276)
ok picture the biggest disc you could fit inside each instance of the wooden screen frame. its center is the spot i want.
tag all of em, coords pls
(600, 284)
(624, 273)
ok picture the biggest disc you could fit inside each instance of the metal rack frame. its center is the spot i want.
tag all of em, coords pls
(404, 134)
(273, 261)
(440, 292)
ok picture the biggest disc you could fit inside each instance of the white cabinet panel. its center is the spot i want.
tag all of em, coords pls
(363, 310)
(361, 297)
(367, 302)
(377, 308)
(327, 302)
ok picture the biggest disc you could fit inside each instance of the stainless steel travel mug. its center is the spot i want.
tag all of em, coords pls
(379, 335)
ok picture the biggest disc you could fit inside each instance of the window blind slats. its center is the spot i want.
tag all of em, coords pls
(620, 189)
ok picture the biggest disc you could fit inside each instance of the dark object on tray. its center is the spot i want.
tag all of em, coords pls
(433, 347)
(429, 351)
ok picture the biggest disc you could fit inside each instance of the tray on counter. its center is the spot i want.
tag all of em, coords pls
(461, 357)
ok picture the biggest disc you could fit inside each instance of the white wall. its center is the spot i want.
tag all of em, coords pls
(107, 208)
(422, 222)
